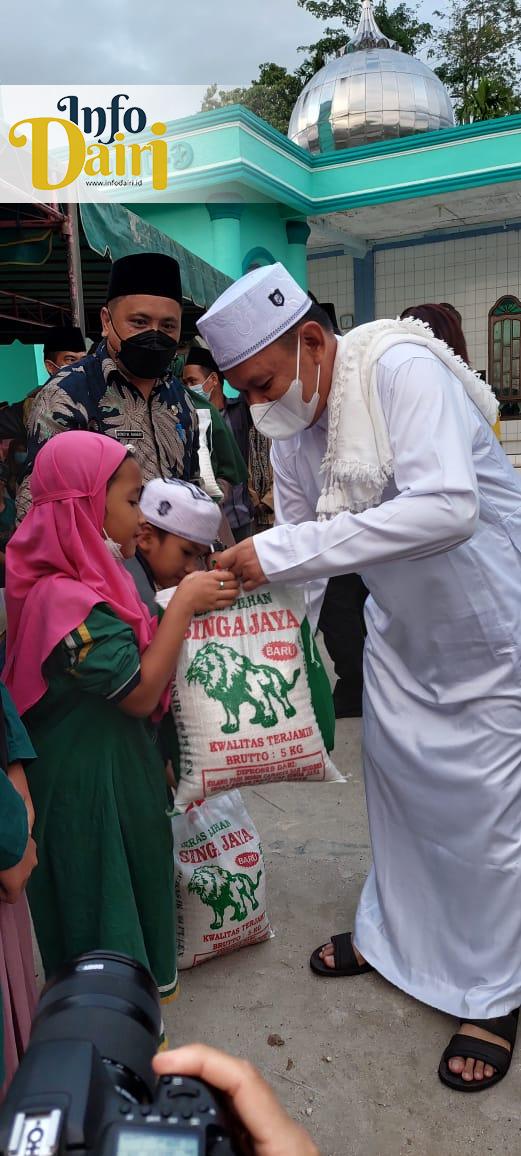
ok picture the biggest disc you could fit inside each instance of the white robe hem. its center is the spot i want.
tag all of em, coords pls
(425, 989)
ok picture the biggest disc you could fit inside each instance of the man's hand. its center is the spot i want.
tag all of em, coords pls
(272, 1131)
(243, 562)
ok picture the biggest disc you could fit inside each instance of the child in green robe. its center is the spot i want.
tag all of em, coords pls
(88, 668)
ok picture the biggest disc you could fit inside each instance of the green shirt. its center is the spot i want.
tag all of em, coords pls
(14, 830)
(104, 878)
(7, 521)
(226, 458)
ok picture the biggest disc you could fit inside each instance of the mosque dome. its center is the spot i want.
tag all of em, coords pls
(371, 91)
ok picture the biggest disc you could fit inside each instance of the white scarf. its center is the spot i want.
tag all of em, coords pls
(358, 462)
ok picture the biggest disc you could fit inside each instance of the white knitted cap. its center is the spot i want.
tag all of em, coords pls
(181, 508)
(252, 313)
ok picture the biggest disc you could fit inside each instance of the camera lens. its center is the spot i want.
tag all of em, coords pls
(112, 1001)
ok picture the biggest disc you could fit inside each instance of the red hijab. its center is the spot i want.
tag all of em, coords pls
(58, 566)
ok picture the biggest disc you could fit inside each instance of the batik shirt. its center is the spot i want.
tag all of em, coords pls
(94, 395)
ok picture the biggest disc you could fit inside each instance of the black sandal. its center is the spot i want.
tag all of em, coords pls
(474, 1049)
(346, 962)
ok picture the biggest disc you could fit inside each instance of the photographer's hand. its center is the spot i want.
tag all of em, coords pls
(272, 1131)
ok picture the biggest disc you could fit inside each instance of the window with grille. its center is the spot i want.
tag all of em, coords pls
(504, 348)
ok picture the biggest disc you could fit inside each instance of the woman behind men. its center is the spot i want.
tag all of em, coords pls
(445, 322)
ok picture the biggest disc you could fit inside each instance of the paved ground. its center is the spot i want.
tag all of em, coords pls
(364, 1057)
(379, 1095)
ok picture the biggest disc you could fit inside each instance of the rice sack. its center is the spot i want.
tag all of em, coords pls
(251, 701)
(220, 881)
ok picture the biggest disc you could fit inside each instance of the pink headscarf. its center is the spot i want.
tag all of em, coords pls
(58, 566)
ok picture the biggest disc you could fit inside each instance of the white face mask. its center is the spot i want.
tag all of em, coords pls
(289, 414)
(113, 547)
(200, 390)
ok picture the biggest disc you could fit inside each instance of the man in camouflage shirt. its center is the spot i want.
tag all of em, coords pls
(126, 389)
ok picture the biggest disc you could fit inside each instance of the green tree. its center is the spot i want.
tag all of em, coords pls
(476, 47)
(401, 25)
(216, 98)
(272, 96)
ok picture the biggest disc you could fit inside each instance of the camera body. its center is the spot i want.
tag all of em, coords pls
(63, 1098)
(86, 1083)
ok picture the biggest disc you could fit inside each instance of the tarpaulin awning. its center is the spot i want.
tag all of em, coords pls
(34, 278)
(112, 230)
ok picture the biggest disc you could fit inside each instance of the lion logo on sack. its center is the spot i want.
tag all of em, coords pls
(234, 680)
(219, 889)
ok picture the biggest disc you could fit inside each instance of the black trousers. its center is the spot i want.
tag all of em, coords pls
(342, 624)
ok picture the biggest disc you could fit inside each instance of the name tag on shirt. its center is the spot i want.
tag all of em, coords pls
(126, 435)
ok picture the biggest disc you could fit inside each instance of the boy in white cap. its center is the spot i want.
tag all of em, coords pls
(384, 436)
(182, 523)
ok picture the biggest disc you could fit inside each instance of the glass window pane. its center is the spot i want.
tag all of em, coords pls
(507, 329)
(516, 328)
(497, 331)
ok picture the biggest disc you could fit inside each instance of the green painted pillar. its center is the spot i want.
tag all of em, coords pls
(297, 233)
(226, 234)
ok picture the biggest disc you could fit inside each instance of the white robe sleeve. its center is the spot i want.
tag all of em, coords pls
(436, 508)
(292, 505)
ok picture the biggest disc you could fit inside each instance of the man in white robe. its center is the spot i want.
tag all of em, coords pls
(388, 435)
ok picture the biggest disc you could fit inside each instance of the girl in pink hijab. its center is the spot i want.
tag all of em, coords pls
(87, 668)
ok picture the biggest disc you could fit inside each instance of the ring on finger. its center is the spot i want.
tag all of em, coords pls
(221, 585)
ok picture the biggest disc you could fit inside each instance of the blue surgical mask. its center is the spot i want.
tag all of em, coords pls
(200, 390)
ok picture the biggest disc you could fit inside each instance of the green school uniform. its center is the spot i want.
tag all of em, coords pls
(14, 828)
(13, 841)
(105, 874)
(13, 825)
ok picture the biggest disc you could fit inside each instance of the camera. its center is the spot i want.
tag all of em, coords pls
(86, 1082)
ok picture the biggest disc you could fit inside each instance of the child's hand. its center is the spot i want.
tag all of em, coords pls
(13, 881)
(208, 590)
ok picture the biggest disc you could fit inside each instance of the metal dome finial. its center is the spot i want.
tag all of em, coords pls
(368, 34)
(367, 94)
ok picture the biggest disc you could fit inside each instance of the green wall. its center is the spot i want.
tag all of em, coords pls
(263, 227)
(262, 231)
(18, 371)
(190, 225)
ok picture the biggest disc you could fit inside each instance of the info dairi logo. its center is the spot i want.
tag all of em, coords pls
(108, 158)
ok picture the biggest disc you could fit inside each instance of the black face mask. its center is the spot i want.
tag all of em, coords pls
(148, 354)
